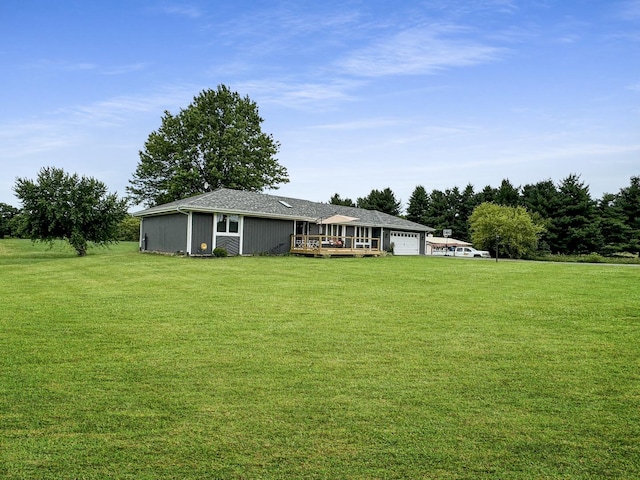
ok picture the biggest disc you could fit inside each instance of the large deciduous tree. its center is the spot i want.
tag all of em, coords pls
(512, 228)
(215, 142)
(7, 215)
(76, 209)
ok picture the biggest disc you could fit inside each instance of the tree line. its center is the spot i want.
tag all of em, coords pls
(217, 141)
(567, 219)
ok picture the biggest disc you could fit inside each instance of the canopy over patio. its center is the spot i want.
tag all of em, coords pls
(337, 220)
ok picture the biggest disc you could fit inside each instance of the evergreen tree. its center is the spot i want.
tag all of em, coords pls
(436, 214)
(629, 202)
(383, 201)
(575, 224)
(336, 200)
(507, 194)
(451, 214)
(615, 231)
(488, 194)
(466, 204)
(541, 200)
(418, 205)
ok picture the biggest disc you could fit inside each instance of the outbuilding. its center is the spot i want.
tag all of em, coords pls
(443, 245)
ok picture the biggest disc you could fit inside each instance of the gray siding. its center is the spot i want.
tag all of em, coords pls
(386, 240)
(263, 235)
(202, 232)
(165, 233)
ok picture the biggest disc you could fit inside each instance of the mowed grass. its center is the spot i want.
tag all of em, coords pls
(128, 365)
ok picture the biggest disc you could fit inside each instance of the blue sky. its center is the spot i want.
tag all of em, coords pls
(360, 94)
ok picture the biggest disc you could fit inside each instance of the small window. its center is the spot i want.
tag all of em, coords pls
(228, 223)
(222, 224)
(233, 223)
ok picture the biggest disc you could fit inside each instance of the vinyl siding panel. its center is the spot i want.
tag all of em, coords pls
(165, 233)
(263, 235)
(202, 232)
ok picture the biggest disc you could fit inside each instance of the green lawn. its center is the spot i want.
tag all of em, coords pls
(129, 365)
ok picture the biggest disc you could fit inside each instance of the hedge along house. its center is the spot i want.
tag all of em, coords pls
(249, 223)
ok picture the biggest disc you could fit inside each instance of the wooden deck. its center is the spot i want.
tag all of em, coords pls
(319, 245)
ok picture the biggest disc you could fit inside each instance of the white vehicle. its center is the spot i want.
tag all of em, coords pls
(470, 252)
(463, 252)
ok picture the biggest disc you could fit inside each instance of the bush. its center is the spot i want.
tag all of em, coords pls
(129, 229)
(592, 258)
(220, 252)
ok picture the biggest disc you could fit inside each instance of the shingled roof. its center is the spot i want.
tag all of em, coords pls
(225, 200)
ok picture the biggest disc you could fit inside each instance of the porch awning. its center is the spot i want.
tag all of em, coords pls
(337, 219)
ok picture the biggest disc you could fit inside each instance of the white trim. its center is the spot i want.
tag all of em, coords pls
(140, 237)
(214, 233)
(189, 232)
(239, 234)
(214, 237)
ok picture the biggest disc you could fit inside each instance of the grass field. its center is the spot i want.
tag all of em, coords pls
(136, 366)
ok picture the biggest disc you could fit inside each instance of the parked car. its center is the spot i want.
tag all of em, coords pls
(470, 252)
(464, 252)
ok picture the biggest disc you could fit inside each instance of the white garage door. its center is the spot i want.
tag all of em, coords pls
(405, 243)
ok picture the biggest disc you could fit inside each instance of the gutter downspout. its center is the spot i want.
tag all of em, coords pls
(189, 229)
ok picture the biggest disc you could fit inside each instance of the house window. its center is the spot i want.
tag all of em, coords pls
(233, 223)
(227, 224)
(222, 223)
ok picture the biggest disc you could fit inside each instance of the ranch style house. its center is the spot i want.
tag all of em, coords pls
(250, 223)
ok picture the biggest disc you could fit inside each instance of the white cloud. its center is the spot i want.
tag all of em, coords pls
(67, 66)
(370, 123)
(300, 95)
(188, 11)
(417, 51)
(119, 109)
(124, 69)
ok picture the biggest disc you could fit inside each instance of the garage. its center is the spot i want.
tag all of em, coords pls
(405, 243)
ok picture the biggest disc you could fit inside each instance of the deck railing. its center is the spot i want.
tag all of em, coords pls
(334, 245)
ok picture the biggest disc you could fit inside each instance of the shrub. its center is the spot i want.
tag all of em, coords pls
(591, 258)
(220, 252)
(129, 229)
